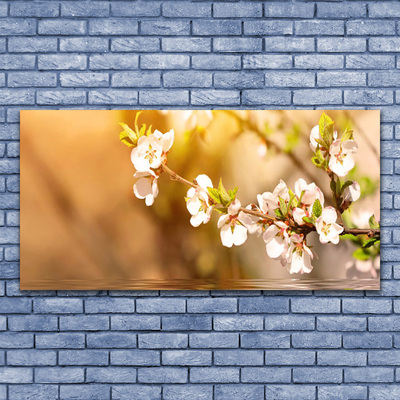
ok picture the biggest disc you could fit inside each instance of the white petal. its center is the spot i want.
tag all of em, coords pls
(319, 224)
(142, 188)
(191, 192)
(329, 215)
(350, 146)
(204, 181)
(298, 215)
(193, 205)
(198, 219)
(335, 148)
(233, 209)
(307, 267)
(222, 220)
(149, 201)
(141, 164)
(275, 247)
(296, 264)
(270, 233)
(239, 235)
(299, 186)
(226, 236)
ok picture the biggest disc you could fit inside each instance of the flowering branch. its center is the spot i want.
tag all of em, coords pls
(283, 217)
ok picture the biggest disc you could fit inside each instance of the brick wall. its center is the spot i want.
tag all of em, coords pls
(199, 345)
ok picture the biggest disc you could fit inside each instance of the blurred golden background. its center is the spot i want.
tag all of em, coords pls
(82, 227)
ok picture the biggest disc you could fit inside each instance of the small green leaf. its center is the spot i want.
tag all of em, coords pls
(221, 210)
(128, 135)
(347, 135)
(223, 194)
(370, 242)
(283, 206)
(308, 220)
(333, 186)
(361, 254)
(279, 214)
(214, 194)
(345, 186)
(326, 129)
(317, 208)
(232, 193)
(373, 223)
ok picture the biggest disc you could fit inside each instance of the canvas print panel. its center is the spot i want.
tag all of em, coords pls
(200, 199)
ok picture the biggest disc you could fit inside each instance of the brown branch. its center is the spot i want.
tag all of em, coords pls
(304, 228)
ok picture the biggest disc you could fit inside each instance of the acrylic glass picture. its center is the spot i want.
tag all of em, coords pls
(200, 199)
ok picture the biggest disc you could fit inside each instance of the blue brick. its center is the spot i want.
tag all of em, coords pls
(290, 357)
(345, 10)
(238, 10)
(342, 358)
(31, 45)
(19, 26)
(319, 61)
(11, 254)
(179, 9)
(216, 27)
(261, 340)
(164, 306)
(186, 357)
(289, 392)
(59, 97)
(212, 62)
(318, 27)
(109, 306)
(61, 27)
(368, 374)
(193, 45)
(162, 375)
(62, 61)
(109, 96)
(3, 323)
(113, 61)
(214, 375)
(136, 392)
(16, 375)
(15, 306)
(238, 80)
(236, 392)
(289, 79)
(240, 323)
(135, 322)
(113, 27)
(111, 375)
(342, 78)
(344, 392)
(365, 27)
(262, 96)
(317, 375)
(57, 306)
(264, 375)
(84, 323)
(288, 10)
(111, 340)
(17, 61)
(214, 340)
(321, 340)
(341, 323)
(188, 79)
(179, 392)
(322, 96)
(135, 357)
(270, 27)
(383, 79)
(36, 9)
(32, 323)
(369, 61)
(13, 184)
(10, 271)
(187, 323)
(164, 61)
(263, 305)
(83, 79)
(384, 392)
(60, 375)
(384, 10)
(84, 9)
(288, 45)
(237, 45)
(384, 357)
(238, 357)
(139, 9)
(367, 306)
(83, 45)
(32, 391)
(321, 305)
(12, 151)
(367, 341)
(83, 357)
(289, 323)
(386, 323)
(139, 44)
(368, 97)
(178, 98)
(214, 305)
(341, 45)
(31, 357)
(16, 340)
(387, 169)
(163, 340)
(387, 44)
(165, 27)
(89, 391)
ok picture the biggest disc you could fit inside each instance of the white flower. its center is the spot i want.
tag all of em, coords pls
(327, 227)
(146, 186)
(197, 201)
(147, 154)
(342, 161)
(298, 214)
(197, 119)
(299, 256)
(253, 223)
(165, 139)
(311, 192)
(314, 136)
(276, 239)
(232, 225)
(270, 201)
(352, 192)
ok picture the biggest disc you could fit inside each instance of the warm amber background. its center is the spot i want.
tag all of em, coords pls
(82, 227)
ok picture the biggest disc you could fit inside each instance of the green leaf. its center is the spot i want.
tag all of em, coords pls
(345, 185)
(232, 193)
(321, 143)
(279, 214)
(136, 121)
(221, 210)
(316, 162)
(333, 186)
(308, 220)
(317, 208)
(361, 254)
(214, 194)
(223, 194)
(373, 223)
(283, 206)
(326, 129)
(370, 242)
(347, 135)
(128, 136)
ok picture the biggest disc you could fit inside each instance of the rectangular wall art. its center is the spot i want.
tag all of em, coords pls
(199, 199)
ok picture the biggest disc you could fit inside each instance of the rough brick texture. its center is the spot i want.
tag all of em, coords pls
(213, 344)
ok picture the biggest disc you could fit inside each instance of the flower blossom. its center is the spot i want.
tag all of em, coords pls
(315, 135)
(276, 239)
(146, 186)
(200, 119)
(270, 201)
(341, 156)
(352, 192)
(232, 225)
(198, 201)
(327, 227)
(299, 256)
